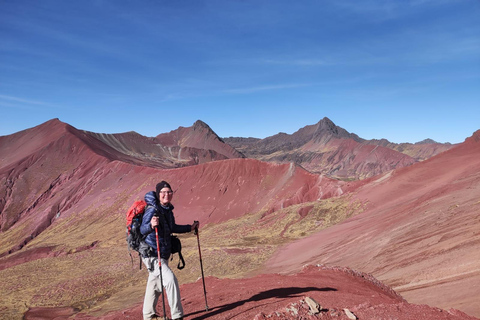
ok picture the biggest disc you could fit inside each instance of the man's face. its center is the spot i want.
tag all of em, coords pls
(165, 195)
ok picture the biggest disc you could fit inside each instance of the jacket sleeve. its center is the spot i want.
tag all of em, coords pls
(179, 228)
(146, 227)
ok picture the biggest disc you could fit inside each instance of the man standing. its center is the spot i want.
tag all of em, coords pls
(159, 214)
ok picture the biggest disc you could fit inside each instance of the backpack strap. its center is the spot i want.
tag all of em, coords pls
(130, 251)
(181, 261)
(131, 258)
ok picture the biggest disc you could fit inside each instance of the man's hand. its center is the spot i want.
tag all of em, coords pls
(154, 222)
(195, 225)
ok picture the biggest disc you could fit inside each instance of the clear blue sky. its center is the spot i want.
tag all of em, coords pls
(401, 70)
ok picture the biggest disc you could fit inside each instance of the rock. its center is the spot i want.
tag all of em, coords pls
(349, 314)
(259, 316)
(314, 306)
(334, 313)
(293, 309)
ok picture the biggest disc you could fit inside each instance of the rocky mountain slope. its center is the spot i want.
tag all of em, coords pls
(199, 136)
(420, 232)
(64, 193)
(178, 148)
(59, 196)
(329, 149)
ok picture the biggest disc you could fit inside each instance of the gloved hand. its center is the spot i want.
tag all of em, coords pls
(195, 225)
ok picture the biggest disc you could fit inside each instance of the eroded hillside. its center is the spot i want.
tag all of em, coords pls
(420, 232)
(64, 194)
(331, 150)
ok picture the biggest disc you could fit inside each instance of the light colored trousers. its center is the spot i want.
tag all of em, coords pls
(154, 289)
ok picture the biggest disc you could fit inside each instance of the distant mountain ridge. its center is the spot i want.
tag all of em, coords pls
(321, 148)
(329, 149)
(178, 148)
(200, 136)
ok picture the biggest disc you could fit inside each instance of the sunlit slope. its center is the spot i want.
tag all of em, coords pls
(420, 232)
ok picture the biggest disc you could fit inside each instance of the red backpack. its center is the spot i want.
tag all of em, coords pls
(134, 221)
(136, 210)
(135, 239)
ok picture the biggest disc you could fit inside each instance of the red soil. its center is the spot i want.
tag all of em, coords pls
(420, 234)
(275, 296)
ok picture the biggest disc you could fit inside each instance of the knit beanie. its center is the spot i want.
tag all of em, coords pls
(160, 186)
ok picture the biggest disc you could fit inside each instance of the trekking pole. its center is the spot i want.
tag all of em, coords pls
(201, 267)
(161, 277)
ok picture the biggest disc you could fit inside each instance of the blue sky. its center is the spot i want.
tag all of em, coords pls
(401, 70)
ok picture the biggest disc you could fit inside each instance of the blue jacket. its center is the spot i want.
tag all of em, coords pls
(166, 226)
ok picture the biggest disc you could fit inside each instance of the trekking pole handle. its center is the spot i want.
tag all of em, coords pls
(196, 228)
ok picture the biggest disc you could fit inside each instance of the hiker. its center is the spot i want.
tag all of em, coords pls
(159, 213)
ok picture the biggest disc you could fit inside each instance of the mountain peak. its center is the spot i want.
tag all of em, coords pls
(426, 141)
(201, 124)
(326, 121)
(52, 123)
(199, 136)
(327, 125)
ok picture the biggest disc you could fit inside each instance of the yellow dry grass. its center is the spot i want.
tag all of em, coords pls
(102, 278)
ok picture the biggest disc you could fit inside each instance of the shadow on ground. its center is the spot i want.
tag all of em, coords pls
(280, 293)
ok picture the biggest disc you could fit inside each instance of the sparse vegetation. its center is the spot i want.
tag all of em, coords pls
(88, 279)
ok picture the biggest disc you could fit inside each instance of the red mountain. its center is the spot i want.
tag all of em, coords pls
(331, 150)
(199, 136)
(64, 164)
(179, 148)
(420, 233)
(46, 164)
(64, 194)
(419, 151)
